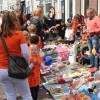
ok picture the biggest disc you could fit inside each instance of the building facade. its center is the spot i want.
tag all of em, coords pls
(1, 1)
(68, 8)
(63, 8)
(10, 4)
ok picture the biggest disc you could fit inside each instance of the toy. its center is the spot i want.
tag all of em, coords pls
(48, 60)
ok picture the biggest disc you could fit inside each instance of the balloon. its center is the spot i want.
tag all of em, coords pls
(48, 60)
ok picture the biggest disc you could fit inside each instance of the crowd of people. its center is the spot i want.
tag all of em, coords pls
(25, 36)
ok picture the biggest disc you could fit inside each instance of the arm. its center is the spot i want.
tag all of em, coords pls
(25, 52)
(98, 25)
(42, 66)
(31, 65)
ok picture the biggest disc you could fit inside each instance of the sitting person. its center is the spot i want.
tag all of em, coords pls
(62, 29)
(82, 45)
(54, 31)
(69, 35)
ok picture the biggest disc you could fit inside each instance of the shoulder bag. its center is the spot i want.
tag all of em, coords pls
(18, 67)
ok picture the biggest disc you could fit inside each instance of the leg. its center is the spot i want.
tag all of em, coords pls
(90, 46)
(9, 86)
(95, 43)
(82, 48)
(23, 88)
(76, 49)
(92, 60)
(34, 92)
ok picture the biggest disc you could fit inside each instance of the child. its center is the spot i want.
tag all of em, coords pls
(69, 35)
(32, 30)
(35, 63)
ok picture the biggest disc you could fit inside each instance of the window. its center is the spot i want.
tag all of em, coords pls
(70, 8)
(86, 6)
(48, 7)
(63, 10)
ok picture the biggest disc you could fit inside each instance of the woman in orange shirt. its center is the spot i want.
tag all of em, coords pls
(36, 61)
(76, 25)
(17, 45)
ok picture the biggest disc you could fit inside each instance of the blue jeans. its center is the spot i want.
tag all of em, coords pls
(11, 84)
(93, 42)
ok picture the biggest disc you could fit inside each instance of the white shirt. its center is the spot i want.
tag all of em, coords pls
(69, 34)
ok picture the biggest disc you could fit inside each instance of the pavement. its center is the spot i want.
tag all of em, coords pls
(43, 94)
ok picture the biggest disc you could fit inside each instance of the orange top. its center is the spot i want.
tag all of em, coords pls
(40, 43)
(34, 79)
(84, 37)
(74, 25)
(93, 25)
(13, 44)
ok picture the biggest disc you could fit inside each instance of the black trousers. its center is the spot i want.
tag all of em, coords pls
(34, 92)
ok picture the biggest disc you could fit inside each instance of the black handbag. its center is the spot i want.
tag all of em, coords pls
(18, 67)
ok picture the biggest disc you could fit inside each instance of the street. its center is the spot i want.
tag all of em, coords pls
(43, 94)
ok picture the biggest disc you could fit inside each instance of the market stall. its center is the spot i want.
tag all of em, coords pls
(70, 80)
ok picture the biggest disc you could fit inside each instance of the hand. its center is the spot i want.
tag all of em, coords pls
(47, 31)
(63, 28)
(35, 60)
(91, 31)
(79, 25)
(85, 31)
(84, 42)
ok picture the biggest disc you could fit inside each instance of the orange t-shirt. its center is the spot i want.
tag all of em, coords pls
(74, 25)
(13, 44)
(84, 37)
(40, 43)
(34, 79)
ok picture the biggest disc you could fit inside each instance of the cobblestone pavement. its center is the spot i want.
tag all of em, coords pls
(43, 94)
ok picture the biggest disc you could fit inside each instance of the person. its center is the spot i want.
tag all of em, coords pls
(76, 26)
(51, 15)
(19, 16)
(69, 34)
(0, 19)
(27, 36)
(36, 19)
(33, 34)
(93, 29)
(62, 29)
(36, 62)
(81, 45)
(16, 44)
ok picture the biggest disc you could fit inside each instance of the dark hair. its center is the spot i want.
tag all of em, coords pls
(34, 39)
(28, 16)
(10, 23)
(62, 21)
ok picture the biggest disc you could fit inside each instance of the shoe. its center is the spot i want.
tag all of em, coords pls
(90, 66)
(98, 68)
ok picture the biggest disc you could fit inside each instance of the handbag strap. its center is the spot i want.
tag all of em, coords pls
(4, 45)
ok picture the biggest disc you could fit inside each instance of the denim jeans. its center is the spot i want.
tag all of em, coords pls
(11, 84)
(93, 42)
